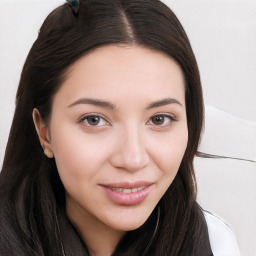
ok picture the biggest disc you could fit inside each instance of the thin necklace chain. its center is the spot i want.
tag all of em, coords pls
(146, 249)
(154, 234)
(58, 227)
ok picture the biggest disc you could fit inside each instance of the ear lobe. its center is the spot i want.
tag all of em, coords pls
(42, 132)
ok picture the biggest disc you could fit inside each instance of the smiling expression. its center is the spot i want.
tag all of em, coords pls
(118, 132)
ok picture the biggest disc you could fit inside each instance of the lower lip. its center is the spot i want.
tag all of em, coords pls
(127, 198)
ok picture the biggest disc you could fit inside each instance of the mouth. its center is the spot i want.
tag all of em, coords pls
(127, 190)
(127, 193)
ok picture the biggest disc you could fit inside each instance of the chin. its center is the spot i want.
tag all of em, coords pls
(128, 222)
(128, 226)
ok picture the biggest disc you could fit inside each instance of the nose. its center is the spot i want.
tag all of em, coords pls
(130, 153)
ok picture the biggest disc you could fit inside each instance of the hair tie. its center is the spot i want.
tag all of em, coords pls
(74, 4)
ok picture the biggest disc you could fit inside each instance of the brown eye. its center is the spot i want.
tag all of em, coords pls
(158, 120)
(94, 120)
(161, 120)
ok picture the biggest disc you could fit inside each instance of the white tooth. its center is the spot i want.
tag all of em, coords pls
(127, 190)
(134, 190)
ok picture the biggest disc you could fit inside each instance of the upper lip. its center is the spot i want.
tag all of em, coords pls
(129, 185)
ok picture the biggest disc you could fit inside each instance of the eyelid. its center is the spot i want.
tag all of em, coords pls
(168, 115)
(83, 117)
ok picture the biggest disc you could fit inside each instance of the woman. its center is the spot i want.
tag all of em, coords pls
(108, 118)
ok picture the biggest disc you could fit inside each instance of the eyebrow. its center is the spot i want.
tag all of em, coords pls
(95, 102)
(106, 104)
(163, 102)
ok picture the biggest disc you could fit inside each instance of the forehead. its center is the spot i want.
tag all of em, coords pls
(124, 71)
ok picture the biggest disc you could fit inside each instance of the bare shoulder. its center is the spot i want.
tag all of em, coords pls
(222, 239)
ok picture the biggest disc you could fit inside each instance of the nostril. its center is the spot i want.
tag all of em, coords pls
(130, 152)
(131, 161)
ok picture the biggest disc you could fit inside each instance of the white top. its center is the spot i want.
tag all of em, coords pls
(222, 239)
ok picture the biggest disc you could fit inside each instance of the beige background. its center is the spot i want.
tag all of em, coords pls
(223, 36)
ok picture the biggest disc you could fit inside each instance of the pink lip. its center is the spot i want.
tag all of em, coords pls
(127, 198)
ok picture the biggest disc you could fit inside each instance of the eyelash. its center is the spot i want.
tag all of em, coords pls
(85, 118)
(165, 116)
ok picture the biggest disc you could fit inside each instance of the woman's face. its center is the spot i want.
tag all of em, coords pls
(118, 132)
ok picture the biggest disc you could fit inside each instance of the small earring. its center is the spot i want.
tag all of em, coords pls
(48, 153)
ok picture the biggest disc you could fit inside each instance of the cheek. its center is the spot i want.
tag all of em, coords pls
(77, 155)
(169, 151)
(168, 159)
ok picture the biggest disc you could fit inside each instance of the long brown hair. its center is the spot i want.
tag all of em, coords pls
(31, 181)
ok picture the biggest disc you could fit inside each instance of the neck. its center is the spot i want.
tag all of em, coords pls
(100, 239)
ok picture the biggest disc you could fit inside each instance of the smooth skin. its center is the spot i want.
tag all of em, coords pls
(119, 116)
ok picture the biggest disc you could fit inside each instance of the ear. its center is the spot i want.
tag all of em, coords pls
(43, 133)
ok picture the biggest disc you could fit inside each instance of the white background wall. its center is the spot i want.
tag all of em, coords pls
(223, 36)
